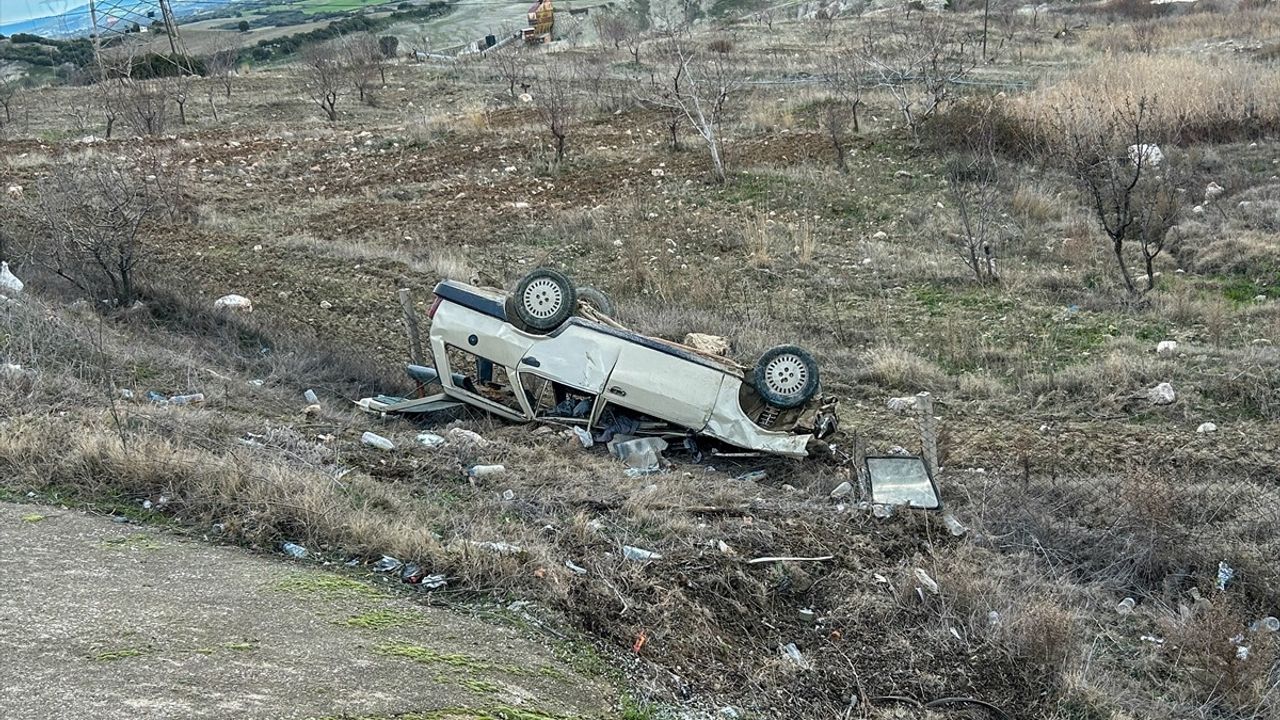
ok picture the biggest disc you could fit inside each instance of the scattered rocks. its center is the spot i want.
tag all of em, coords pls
(902, 405)
(1207, 427)
(1167, 347)
(1162, 394)
(14, 192)
(8, 281)
(710, 344)
(880, 235)
(929, 584)
(1146, 154)
(1213, 191)
(233, 302)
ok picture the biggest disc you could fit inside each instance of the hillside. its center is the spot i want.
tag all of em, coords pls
(1096, 325)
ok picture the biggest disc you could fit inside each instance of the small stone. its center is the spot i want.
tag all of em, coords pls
(842, 490)
(928, 583)
(1207, 427)
(1167, 347)
(325, 305)
(880, 235)
(1162, 394)
(903, 174)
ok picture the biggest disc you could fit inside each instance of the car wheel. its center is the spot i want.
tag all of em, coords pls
(543, 300)
(596, 299)
(786, 376)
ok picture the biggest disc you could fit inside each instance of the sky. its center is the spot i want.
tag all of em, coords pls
(12, 11)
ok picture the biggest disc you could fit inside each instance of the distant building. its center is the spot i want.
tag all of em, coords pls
(541, 19)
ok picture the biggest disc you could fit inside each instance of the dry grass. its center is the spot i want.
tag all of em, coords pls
(1195, 99)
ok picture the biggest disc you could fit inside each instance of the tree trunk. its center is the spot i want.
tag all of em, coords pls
(227, 85)
(1117, 247)
(182, 111)
(559, 148)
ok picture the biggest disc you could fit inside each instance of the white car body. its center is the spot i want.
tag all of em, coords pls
(661, 380)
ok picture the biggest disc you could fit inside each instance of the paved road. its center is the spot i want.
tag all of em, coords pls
(101, 620)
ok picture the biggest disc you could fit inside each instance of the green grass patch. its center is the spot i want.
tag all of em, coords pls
(427, 656)
(32, 517)
(484, 687)
(119, 654)
(1242, 291)
(322, 583)
(382, 619)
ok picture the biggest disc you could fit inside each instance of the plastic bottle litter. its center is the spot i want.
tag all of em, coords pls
(928, 583)
(792, 653)
(294, 550)
(375, 440)
(477, 471)
(993, 618)
(639, 554)
(955, 526)
(1269, 624)
(431, 440)
(882, 511)
(1125, 606)
(191, 399)
(311, 396)
(157, 398)
(575, 569)
(1225, 573)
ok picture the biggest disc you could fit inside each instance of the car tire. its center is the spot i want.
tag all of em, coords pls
(596, 299)
(543, 300)
(786, 376)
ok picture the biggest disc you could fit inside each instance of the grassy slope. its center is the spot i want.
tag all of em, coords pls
(1045, 366)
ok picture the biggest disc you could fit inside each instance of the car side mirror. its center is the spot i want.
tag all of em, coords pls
(902, 480)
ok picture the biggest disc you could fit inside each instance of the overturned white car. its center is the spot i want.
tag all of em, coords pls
(549, 352)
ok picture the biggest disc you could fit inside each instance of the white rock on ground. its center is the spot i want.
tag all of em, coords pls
(1162, 394)
(901, 405)
(711, 344)
(842, 490)
(1167, 347)
(1147, 154)
(233, 302)
(1207, 427)
(1213, 191)
(9, 282)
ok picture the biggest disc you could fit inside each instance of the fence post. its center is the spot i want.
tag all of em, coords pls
(928, 431)
(411, 325)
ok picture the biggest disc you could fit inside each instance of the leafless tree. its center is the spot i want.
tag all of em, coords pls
(918, 62)
(555, 95)
(8, 92)
(178, 87)
(512, 64)
(88, 220)
(1111, 154)
(844, 73)
(610, 26)
(143, 105)
(221, 65)
(326, 75)
(974, 193)
(663, 92)
(707, 82)
(363, 58)
(634, 37)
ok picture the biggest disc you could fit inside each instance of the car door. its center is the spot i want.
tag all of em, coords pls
(664, 386)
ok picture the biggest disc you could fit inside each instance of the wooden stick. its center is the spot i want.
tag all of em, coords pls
(411, 324)
(823, 558)
(928, 431)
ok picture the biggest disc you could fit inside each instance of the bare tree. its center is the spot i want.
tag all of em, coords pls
(708, 80)
(8, 92)
(555, 96)
(326, 74)
(844, 73)
(611, 27)
(1112, 156)
(664, 93)
(87, 221)
(972, 185)
(363, 58)
(143, 105)
(178, 87)
(918, 62)
(512, 66)
(221, 65)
